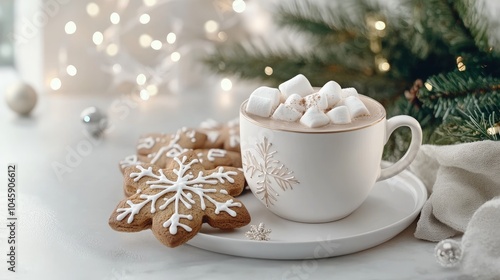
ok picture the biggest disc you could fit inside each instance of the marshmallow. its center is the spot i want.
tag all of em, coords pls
(339, 115)
(314, 117)
(356, 107)
(297, 102)
(286, 113)
(333, 93)
(318, 100)
(268, 92)
(298, 84)
(346, 92)
(259, 106)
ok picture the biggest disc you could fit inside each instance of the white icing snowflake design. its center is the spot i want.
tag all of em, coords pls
(269, 169)
(182, 189)
(172, 149)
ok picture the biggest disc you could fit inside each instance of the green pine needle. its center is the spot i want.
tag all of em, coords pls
(308, 17)
(469, 127)
(469, 11)
(446, 93)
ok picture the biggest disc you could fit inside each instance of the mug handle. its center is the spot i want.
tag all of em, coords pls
(411, 153)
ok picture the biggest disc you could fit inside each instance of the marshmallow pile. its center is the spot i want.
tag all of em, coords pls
(296, 100)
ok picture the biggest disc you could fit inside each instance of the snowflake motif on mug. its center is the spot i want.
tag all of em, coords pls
(269, 169)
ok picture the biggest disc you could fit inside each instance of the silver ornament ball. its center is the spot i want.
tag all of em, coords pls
(94, 120)
(448, 252)
(21, 97)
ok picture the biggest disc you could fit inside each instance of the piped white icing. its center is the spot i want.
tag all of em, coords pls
(210, 124)
(212, 136)
(216, 153)
(129, 161)
(189, 133)
(146, 143)
(183, 188)
(212, 154)
(173, 149)
(212, 128)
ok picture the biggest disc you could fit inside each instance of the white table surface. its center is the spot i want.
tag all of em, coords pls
(62, 226)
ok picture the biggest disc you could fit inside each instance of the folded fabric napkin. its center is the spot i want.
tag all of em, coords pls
(481, 242)
(460, 179)
(464, 183)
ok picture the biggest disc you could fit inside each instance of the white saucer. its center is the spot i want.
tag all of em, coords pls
(392, 206)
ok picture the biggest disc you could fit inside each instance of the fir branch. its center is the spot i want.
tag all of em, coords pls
(250, 64)
(331, 29)
(410, 24)
(477, 25)
(445, 23)
(249, 61)
(469, 127)
(322, 20)
(448, 92)
(314, 26)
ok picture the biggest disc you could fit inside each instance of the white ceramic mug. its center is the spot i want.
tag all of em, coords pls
(323, 174)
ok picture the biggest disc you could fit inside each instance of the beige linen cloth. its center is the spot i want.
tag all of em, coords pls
(464, 185)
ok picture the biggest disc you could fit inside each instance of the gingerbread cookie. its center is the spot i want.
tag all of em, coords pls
(152, 142)
(131, 160)
(220, 135)
(159, 149)
(174, 202)
(209, 159)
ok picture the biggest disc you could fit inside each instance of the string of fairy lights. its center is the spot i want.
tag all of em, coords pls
(148, 78)
(123, 64)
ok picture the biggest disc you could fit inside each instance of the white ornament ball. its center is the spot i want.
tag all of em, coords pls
(21, 97)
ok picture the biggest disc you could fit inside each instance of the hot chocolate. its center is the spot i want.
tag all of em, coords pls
(375, 109)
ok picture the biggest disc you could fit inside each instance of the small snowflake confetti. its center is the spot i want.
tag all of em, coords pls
(259, 233)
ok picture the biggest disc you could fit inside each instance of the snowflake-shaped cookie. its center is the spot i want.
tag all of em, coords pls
(159, 149)
(209, 158)
(222, 135)
(174, 202)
